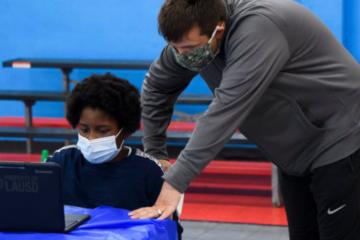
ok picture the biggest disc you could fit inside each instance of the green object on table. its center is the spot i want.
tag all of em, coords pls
(44, 155)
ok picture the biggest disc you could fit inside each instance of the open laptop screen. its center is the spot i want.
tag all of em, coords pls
(31, 197)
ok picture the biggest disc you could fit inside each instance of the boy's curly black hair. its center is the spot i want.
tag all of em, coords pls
(113, 95)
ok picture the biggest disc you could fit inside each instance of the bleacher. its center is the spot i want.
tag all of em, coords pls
(236, 178)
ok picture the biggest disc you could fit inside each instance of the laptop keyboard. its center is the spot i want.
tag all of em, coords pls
(71, 219)
(74, 220)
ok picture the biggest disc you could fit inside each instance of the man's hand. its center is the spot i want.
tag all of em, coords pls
(164, 207)
(165, 165)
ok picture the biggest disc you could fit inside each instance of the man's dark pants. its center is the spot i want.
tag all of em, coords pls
(324, 205)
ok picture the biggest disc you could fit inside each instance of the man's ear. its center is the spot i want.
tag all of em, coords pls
(220, 30)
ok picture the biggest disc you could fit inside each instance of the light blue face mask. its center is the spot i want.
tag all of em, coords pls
(198, 58)
(99, 150)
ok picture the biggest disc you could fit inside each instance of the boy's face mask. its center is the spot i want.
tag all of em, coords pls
(198, 58)
(99, 150)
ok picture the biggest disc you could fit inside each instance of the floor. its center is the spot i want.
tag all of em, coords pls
(225, 231)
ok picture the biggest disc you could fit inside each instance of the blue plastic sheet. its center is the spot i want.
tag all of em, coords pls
(106, 223)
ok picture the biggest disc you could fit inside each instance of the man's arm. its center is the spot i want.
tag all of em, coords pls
(256, 52)
(163, 83)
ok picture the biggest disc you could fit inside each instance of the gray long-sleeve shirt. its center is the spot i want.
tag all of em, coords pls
(281, 77)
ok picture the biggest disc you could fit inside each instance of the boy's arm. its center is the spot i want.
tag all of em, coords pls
(154, 182)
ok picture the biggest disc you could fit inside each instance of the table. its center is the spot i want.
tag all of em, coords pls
(106, 223)
(67, 65)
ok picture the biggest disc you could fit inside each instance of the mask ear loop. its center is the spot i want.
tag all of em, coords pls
(118, 133)
(122, 142)
(213, 34)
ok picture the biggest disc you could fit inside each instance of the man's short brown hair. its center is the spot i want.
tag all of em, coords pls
(178, 17)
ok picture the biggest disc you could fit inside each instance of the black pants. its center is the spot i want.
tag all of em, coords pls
(326, 204)
(180, 229)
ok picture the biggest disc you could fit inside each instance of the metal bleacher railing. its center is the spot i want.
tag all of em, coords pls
(29, 98)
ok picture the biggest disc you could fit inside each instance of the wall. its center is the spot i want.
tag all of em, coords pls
(351, 22)
(109, 29)
(81, 29)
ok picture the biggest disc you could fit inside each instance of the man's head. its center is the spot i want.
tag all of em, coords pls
(194, 29)
(191, 24)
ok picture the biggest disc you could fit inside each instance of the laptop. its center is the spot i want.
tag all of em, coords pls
(31, 199)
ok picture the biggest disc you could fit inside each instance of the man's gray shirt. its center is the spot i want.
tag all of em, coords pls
(281, 77)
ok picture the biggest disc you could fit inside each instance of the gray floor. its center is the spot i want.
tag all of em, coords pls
(224, 231)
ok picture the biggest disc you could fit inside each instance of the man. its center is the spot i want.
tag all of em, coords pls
(279, 75)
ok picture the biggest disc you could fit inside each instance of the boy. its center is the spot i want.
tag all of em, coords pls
(100, 169)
